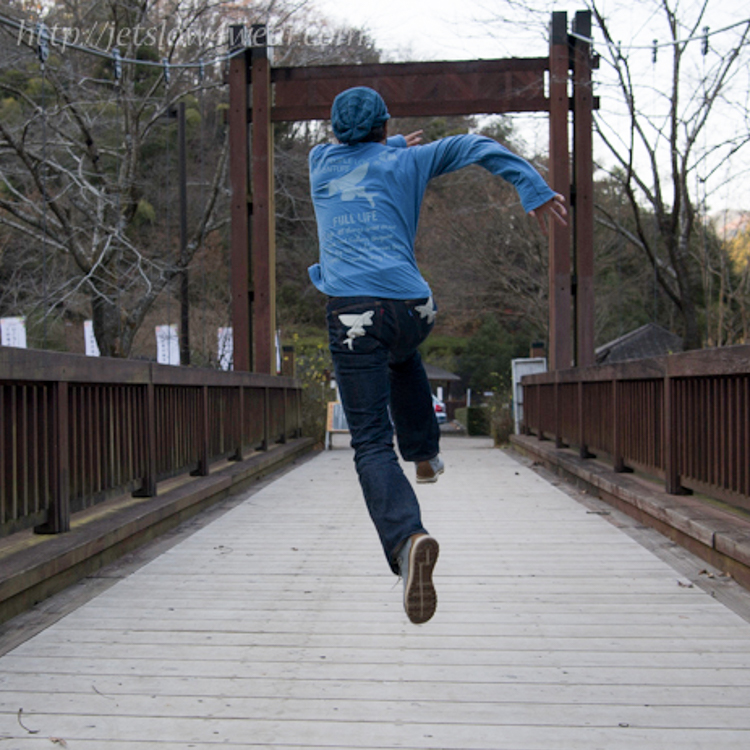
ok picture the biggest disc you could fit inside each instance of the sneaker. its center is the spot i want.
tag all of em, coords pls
(416, 560)
(429, 471)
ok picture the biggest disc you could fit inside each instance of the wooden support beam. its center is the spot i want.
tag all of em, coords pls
(411, 89)
(240, 206)
(415, 89)
(560, 348)
(583, 211)
(263, 245)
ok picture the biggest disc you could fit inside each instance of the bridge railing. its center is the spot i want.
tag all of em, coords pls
(683, 418)
(76, 430)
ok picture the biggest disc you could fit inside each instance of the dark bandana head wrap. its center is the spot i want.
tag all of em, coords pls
(356, 112)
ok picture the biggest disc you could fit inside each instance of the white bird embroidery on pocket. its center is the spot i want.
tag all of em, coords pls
(356, 324)
(427, 310)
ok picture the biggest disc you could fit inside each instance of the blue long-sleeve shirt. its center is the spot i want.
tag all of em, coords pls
(367, 199)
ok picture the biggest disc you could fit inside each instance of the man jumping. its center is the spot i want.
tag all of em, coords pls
(367, 191)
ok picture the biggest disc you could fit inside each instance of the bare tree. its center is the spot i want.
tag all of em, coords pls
(671, 137)
(77, 158)
(672, 129)
(88, 152)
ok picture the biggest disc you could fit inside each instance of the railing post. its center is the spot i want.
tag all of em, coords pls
(558, 419)
(617, 459)
(148, 488)
(238, 454)
(583, 448)
(266, 419)
(58, 514)
(284, 423)
(540, 430)
(203, 441)
(298, 402)
(669, 440)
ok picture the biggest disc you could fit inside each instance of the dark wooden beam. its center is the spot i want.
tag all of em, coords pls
(415, 89)
(411, 89)
(263, 245)
(584, 189)
(560, 348)
(240, 207)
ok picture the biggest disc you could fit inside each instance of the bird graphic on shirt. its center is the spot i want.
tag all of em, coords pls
(427, 310)
(349, 186)
(356, 324)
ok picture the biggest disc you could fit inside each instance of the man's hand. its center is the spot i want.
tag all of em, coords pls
(414, 139)
(553, 210)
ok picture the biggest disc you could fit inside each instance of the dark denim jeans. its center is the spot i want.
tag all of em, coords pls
(381, 377)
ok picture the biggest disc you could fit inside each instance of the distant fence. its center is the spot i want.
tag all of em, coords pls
(75, 430)
(684, 418)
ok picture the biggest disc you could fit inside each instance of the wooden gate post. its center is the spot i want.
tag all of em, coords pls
(560, 349)
(263, 246)
(240, 206)
(583, 198)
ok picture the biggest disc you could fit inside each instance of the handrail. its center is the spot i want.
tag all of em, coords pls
(74, 430)
(684, 418)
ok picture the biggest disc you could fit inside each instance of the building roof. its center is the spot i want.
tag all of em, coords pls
(650, 340)
(439, 374)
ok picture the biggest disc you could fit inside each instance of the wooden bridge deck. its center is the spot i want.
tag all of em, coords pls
(279, 626)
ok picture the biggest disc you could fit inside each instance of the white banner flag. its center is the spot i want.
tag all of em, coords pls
(225, 349)
(92, 348)
(13, 332)
(167, 345)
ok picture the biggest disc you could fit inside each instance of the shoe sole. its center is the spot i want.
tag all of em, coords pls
(420, 597)
(429, 480)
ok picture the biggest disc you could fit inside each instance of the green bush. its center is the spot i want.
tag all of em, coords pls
(313, 368)
(476, 419)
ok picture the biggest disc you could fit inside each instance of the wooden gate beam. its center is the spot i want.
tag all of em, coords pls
(415, 89)
(411, 89)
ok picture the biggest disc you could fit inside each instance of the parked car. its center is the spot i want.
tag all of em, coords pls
(440, 411)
